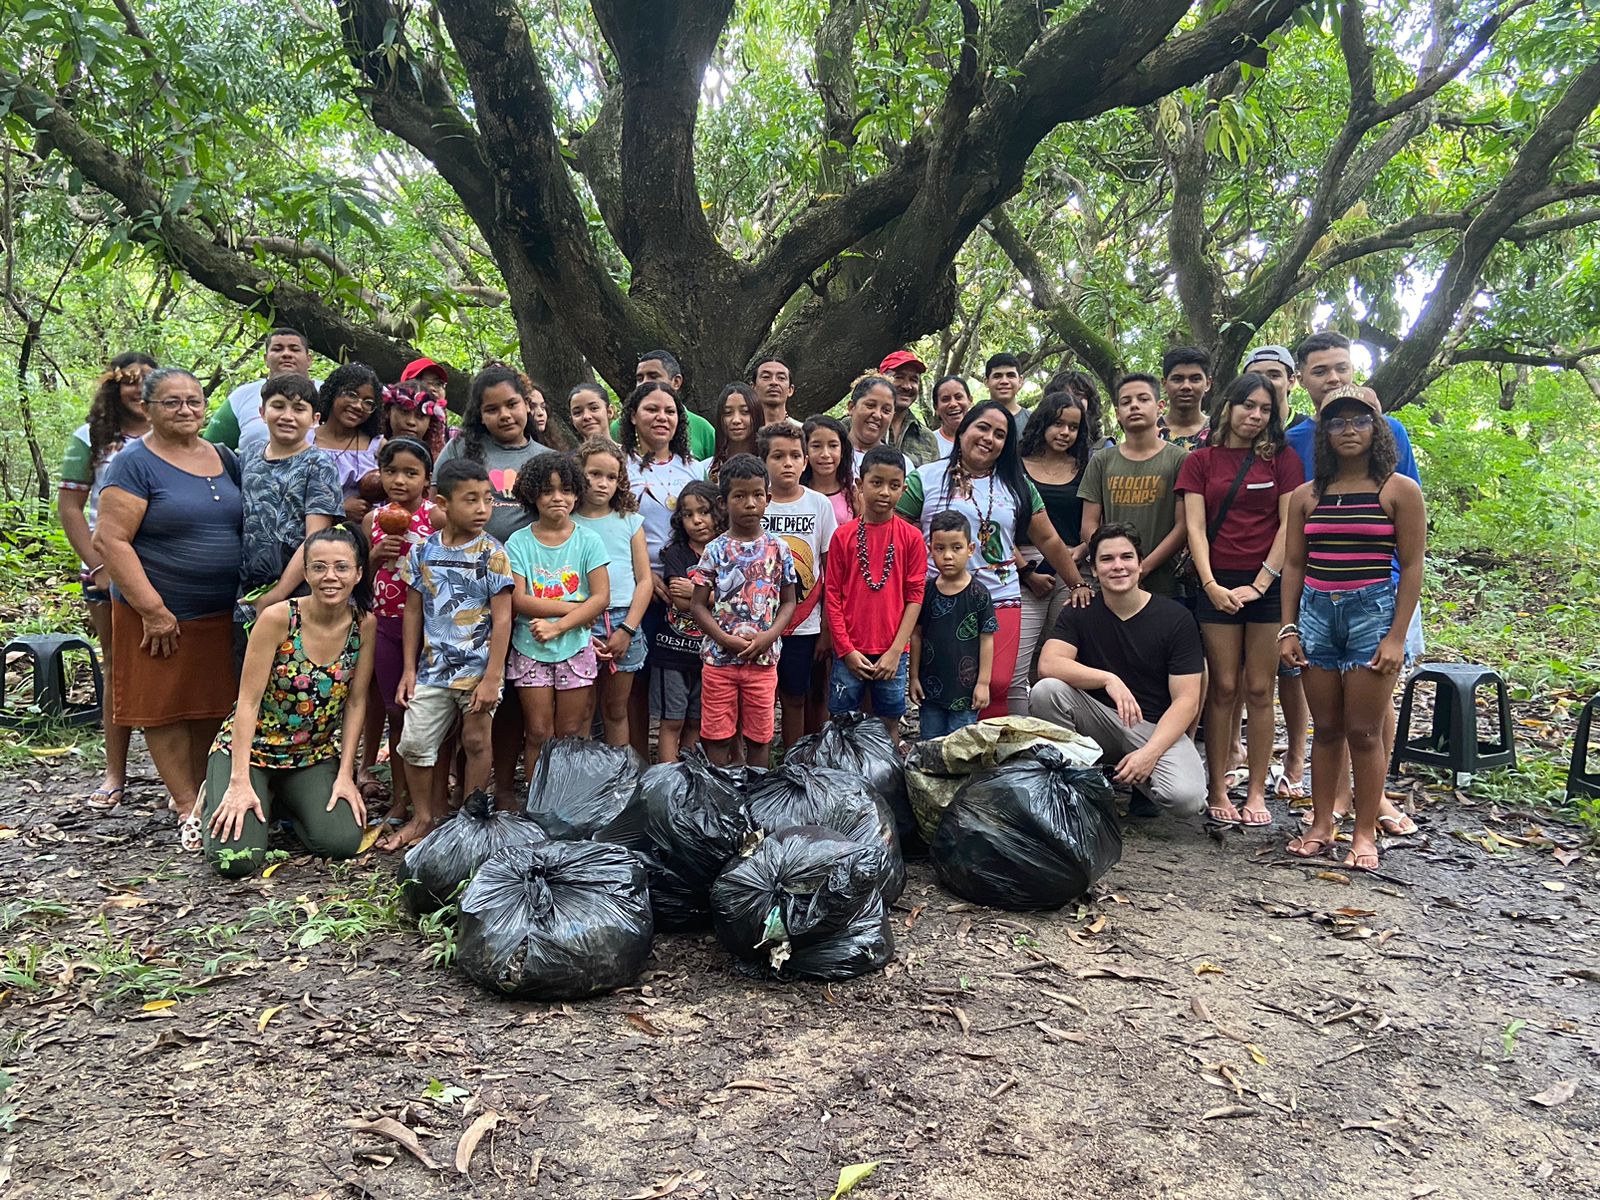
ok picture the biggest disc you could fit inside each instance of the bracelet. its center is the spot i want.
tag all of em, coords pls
(1080, 584)
(1208, 583)
(1257, 588)
(1289, 630)
(627, 629)
(1268, 569)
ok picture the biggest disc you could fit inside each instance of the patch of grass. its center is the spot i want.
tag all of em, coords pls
(15, 913)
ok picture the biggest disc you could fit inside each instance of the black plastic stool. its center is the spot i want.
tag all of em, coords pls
(1580, 780)
(1454, 743)
(48, 654)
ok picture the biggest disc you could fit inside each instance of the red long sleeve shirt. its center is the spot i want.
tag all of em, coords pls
(860, 618)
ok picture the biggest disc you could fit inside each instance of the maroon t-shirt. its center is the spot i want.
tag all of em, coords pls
(1246, 535)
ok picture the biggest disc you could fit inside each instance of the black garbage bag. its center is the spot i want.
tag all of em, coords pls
(434, 870)
(806, 903)
(1033, 832)
(556, 921)
(795, 795)
(587, 791)
(696, 820)
(859, 745)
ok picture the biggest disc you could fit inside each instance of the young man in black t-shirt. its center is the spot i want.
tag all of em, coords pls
(1125, 671)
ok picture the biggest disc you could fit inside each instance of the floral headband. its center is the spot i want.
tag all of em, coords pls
(414, 398)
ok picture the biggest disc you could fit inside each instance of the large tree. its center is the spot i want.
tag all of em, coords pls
(805, 177)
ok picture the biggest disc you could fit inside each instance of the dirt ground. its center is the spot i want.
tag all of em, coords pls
(1221, 1020)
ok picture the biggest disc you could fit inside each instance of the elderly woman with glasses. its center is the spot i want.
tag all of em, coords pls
(349, 432)
(169, 533)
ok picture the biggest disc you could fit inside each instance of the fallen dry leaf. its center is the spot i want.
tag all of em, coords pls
(642, 1023)
(1556, 1093)
(1334, 877)
(664, 1187)
(850, 1176)
(749, 1085)
(266, 1015)
(156, 1005)
(1060, 1035)
(369, 838)
(1119, 973)
(1228, 1112)
(470, 1139)
(1208, 968)
(1552, 885)
(1256, 1053)
(397, 1133)
(1566, 857)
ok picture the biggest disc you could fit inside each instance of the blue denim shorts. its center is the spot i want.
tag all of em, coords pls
(638, 647)
(937, 722)
(1340, 631)
(888, 695)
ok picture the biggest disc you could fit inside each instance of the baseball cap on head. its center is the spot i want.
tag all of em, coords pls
(901, 358)
(1277, 354)
(417, 366)
(1352, 395)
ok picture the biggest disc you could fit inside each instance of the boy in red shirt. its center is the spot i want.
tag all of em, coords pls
(877, 572)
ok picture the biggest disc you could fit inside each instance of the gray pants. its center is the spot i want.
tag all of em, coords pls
(1179, 781)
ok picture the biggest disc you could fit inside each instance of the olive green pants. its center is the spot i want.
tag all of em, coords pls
(302, 793)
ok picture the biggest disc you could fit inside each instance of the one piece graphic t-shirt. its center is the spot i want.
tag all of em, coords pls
(806, 526)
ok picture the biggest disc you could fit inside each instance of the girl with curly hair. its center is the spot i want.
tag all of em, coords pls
(349, 432)
(116, 416)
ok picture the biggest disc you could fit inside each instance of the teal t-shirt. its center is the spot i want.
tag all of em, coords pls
(554, 573)
(615, 531)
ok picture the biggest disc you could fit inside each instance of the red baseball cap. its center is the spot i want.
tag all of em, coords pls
(901, 358)
(417, 366)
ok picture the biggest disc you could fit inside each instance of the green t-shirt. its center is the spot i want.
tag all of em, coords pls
(554, 573)
(702, 436)
(1138, 494)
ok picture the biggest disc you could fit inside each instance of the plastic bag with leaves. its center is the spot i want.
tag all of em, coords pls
(1034, 832)
(806, 903)
(435, 869)
(556, 921)
(794, 795)
(584, 790)
(696, 821)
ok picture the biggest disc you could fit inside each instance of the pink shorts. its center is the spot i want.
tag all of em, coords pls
(579, 671)
(739, 699)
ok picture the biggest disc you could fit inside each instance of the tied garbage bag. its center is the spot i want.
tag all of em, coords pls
(806, 903)
(696, 820)
(587, 791)
(936, 769)
(794, 795)
(433, 870)
(859, 745)
(556, 921)
(1033, 832)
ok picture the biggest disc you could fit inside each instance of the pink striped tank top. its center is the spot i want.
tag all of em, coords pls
(1349, 543)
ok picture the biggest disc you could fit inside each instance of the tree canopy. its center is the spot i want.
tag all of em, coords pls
(819, 179)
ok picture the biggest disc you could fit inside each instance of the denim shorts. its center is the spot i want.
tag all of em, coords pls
(888, 695)
(638, 645)
(937, 722)
(1340, 631)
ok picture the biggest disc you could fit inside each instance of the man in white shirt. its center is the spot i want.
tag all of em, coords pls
(238, 424)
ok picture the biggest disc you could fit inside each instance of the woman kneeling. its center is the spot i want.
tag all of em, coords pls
(294, 733)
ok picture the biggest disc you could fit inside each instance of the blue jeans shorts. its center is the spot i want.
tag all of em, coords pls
(888, 695)
(638, 647)
(1340, 631)
(936, 722)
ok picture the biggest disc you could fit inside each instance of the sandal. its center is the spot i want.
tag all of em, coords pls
(1216, 815)
(1367, 860)
(191, 834)
(1397, 826)
(1288, 789)
(1255, 818)
(105, 799)
(1307, 847)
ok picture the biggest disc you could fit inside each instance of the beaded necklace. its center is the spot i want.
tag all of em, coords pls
(987, 529)
(864, 564)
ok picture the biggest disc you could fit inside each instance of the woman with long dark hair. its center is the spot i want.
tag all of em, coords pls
(983, 480)
(290, 743)
(1056, 443)
(498, 429)
(1234, 493)
(116, 417)
(1345, 618)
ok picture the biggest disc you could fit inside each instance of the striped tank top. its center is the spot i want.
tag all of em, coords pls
(1349, 543)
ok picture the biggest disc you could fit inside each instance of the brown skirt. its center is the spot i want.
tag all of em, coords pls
(197, 683)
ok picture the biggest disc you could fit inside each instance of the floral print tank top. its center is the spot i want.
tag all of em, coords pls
(302, 707)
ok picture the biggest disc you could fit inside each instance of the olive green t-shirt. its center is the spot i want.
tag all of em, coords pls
(1138, 494)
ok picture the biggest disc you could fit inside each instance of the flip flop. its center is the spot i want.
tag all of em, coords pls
(1288, 789)
(105, 799)
(1255, 818)
(1357, 862)
(1309, 847)
(1213, 818)
(1401, 826)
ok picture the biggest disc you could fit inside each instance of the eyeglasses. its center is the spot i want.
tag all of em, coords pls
(366, 402)
(198, 403)
(1361, 424)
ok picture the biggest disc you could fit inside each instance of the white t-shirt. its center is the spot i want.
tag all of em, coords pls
(860, 454)
(946, 445)
(656, 486)
(806, 526)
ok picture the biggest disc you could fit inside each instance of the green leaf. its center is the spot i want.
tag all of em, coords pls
(852, 1175)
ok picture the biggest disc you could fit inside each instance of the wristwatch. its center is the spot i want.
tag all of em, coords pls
(628, 629)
